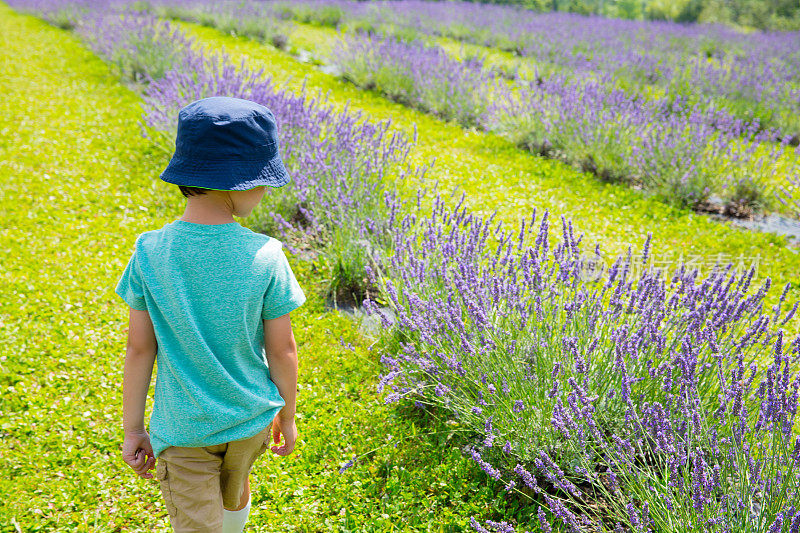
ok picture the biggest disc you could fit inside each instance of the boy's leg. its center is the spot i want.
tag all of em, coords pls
(245, 496)
(235, 520)
(236, 466)
(189, 481)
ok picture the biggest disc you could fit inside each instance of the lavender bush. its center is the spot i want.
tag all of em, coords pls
(62, 15)
(337, 160)
(680, 152)
(733, 468)
(587, 386)
(322, 14)
(138, 44)
(415, 74)
(143, 47)
(260, 21)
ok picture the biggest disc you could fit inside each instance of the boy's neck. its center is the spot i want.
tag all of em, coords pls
(206, 210)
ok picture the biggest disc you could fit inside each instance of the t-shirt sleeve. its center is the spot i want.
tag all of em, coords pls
(130, 287)
(284, 294)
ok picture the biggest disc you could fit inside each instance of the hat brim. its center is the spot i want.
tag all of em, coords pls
(225, 174)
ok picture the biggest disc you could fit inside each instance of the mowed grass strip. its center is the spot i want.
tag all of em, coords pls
(78, 183)
(495, 174)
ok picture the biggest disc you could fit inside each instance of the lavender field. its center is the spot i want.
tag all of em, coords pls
(594, 400)
(701, 116)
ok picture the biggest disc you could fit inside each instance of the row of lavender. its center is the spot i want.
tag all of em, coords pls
(681, 149)
(710, 73)
(641, 403)
(758, 74)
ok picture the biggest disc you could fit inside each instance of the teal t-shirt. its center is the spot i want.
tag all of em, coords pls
(207, 288)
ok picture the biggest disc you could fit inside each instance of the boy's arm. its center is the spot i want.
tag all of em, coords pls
(140, 355)
(281, 350)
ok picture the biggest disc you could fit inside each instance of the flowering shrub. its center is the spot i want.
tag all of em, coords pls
(635, 397)
(415, 74)
(260, 20)
(683, 153)
(141, 46)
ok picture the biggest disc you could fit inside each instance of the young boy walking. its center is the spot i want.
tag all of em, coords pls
(210, 301)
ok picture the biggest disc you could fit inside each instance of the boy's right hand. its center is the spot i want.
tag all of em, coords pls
(288, 429)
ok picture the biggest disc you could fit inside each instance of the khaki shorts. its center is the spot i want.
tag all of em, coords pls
(198, 481)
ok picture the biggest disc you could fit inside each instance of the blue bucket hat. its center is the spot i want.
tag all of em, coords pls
(228, 144)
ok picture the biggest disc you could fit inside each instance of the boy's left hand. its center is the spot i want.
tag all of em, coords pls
(134, 448)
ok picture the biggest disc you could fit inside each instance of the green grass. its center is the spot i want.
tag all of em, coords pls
(78, 183)
(495, 174)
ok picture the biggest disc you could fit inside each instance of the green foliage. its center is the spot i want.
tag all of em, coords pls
(323, 15)
(664, 9)
(327, 16)
(141, 6)
(690, 11)
(63, 18)
(168, 11)
(349, 284)
(715, 11)
(626, 9)
(582, 7)
(145, 54)
(262, 29)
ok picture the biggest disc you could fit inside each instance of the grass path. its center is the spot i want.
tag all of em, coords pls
(78, 183)
(494, 174)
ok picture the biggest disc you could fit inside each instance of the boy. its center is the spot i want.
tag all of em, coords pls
(212, 299)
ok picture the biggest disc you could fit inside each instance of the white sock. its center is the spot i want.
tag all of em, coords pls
(233, 521)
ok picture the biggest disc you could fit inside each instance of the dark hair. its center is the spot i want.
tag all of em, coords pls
(191, 191)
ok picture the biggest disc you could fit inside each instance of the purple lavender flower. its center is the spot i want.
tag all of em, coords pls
(348, 464)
